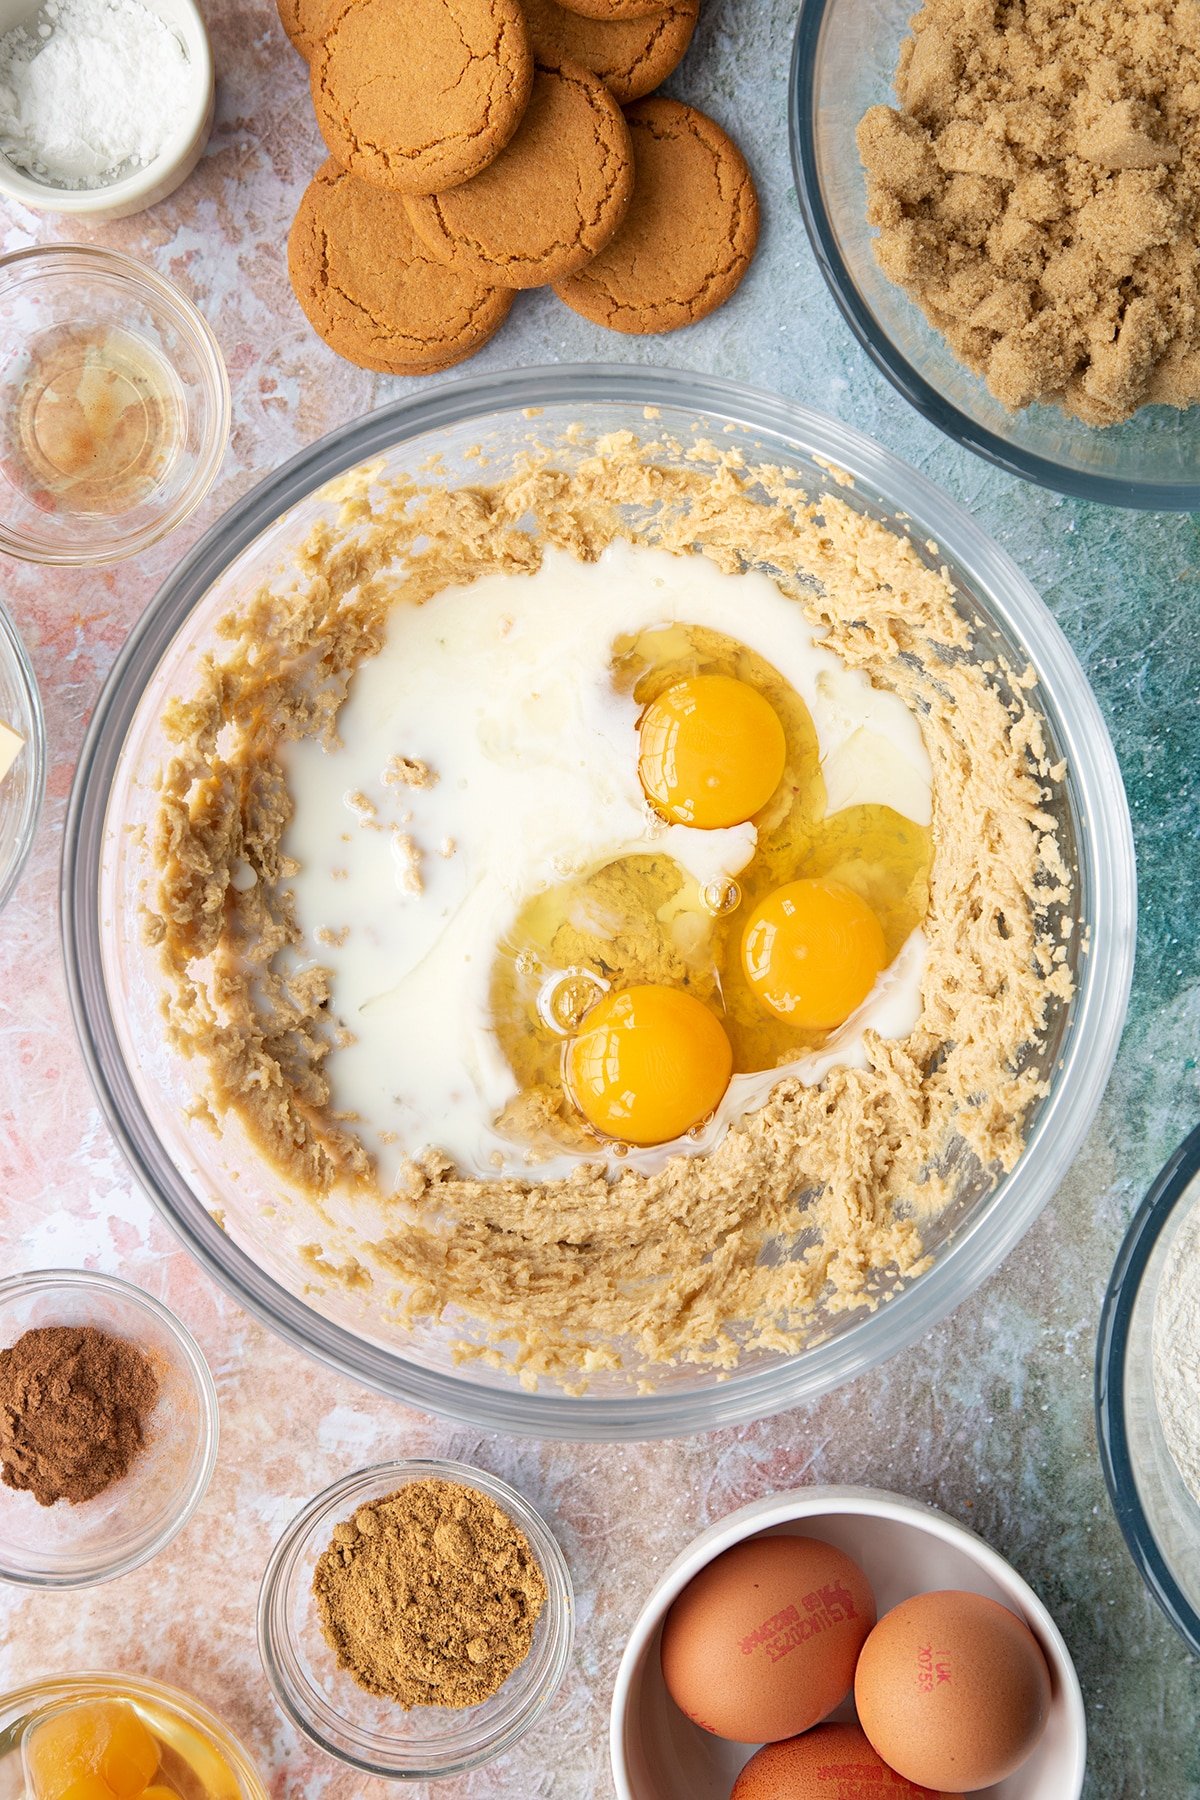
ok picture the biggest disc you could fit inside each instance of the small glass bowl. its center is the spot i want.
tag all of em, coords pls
(373, 1735)
(844, 61)
(22, 789)
(172, 1713)
(75, 1546)
(1158, 1515)
(74, 301)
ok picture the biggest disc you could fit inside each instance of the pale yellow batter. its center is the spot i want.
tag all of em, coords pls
(568, 1277)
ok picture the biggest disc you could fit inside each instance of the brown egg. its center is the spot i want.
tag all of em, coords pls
(830, 1763)
(763, 1641)
(952, 1690)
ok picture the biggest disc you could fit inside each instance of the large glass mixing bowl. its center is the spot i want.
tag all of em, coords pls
(843, 62)
(146, 1092)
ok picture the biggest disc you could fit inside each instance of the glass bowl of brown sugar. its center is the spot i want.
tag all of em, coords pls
(108, 1428)
(844, 63)
(474, 1605)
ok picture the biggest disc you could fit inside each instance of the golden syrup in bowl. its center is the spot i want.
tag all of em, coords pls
(116, 1737)
(100, 420)
(114, 406)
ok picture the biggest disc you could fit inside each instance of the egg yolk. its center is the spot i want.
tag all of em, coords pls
(811, 952)
(648, 1064)
(712, 751)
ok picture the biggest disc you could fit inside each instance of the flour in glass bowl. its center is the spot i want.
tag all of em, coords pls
(1177, 1351)
(90, 90)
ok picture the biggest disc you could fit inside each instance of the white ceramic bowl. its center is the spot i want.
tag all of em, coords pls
(183, 149)
(905, 1548)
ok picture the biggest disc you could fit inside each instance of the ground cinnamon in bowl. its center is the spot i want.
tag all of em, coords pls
(430, 1595)
(73, 1407)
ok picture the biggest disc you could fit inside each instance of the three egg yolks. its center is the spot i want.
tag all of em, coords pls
(680, 990)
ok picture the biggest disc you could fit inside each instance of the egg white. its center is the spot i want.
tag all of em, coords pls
(503, 688)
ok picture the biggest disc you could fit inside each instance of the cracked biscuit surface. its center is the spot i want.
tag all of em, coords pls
(688, 236)
(631, 56)
(371, 289)
(304, 22)
(420, 94)
(552, 200)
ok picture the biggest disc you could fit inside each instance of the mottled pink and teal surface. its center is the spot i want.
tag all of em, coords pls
(991, 1416)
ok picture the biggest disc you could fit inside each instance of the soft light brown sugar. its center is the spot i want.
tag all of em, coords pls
(1038, 194)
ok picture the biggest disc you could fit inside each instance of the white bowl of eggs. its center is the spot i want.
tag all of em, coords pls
(842, 1640)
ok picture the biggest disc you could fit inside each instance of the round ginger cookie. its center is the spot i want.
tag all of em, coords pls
(304, 22)
(419, 95)
(551, 200)
(631, 56)
(689, 234)
(370, 288)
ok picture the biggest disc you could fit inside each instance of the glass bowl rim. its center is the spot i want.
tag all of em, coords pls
(1110, 490)
(148, 1686)
(65, 259)
(27, 1283)
(1014, 1203)
(36, 749)
(338, 1498)
(1141, 1240)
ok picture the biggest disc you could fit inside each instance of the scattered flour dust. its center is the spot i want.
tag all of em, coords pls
(1177, 1349)
(90, 90)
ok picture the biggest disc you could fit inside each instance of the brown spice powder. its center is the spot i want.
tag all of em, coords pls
(1038, 195)
(73, 1404)
(429, 1597)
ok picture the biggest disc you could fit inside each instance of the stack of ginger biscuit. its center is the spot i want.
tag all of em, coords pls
(478, 147)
